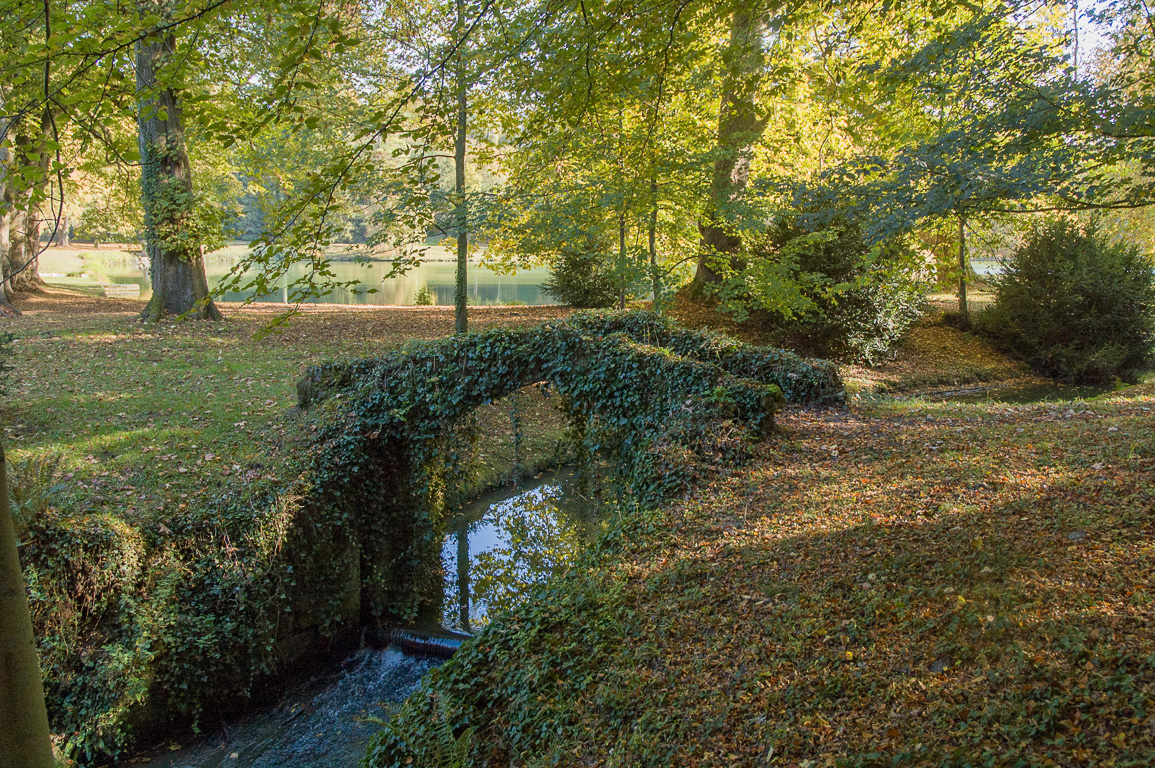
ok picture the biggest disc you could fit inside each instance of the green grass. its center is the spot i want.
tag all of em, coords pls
(152, 418)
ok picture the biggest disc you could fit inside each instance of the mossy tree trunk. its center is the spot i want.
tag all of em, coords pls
(23, 251)
(25, 740)
(739, 128)
(172, 244)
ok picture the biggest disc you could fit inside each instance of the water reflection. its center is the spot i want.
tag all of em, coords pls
(503, 545)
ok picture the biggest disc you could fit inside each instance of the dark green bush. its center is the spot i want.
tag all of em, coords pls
(580, 277)
(825, 289)
(1075, 306)
(856, 300)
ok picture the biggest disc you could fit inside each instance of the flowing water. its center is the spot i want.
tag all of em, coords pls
(499, 548)
(326, 723)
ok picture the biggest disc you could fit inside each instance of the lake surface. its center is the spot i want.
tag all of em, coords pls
(61, 266)
(1022, 394)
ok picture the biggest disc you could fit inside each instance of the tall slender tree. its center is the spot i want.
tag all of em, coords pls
(461, 207)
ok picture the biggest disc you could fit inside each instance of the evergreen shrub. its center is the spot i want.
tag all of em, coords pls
(856, 300)
(579, 277)
(1075, 306)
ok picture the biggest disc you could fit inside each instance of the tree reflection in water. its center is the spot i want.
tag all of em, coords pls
(503, 545)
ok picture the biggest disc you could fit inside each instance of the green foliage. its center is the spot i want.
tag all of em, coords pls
(135, 624)
(829, 290)
(424, 297)
(579, 277)
(1075, 306)
(801, 379)
(33, 484)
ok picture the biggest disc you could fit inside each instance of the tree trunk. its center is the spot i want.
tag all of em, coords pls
(24, 244)
(739, 127)
(962, 266)
(63, 237)
(6, 290)
(6, 307)
(25, 741)
(622, 265)
(175, 255)
(461, 214)
(655, 276)
(463, 574)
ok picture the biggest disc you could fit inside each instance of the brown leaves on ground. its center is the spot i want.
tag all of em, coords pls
(931, 585)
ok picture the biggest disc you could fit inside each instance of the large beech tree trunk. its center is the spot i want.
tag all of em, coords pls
(739, 127)
(23, 252)
(176, 259)
(25, 741)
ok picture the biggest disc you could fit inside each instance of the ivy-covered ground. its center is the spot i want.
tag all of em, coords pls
(895, 583)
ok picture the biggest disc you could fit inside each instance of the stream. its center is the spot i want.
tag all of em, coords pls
(499, 547)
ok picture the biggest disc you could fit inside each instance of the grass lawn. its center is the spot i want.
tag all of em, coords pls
(148, 418)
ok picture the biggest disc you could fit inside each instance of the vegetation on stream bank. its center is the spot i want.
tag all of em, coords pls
(806, 603)
(900, 583)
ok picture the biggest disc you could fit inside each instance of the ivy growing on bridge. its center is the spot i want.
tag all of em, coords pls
(229, 594)
(654, 403)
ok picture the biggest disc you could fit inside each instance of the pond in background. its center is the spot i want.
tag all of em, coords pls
(985, 268)
(485, 286)
(1022, 394)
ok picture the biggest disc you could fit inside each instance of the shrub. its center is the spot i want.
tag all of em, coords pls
(1075, 306)
(579, 277)
(424, 297)
(833, 293)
